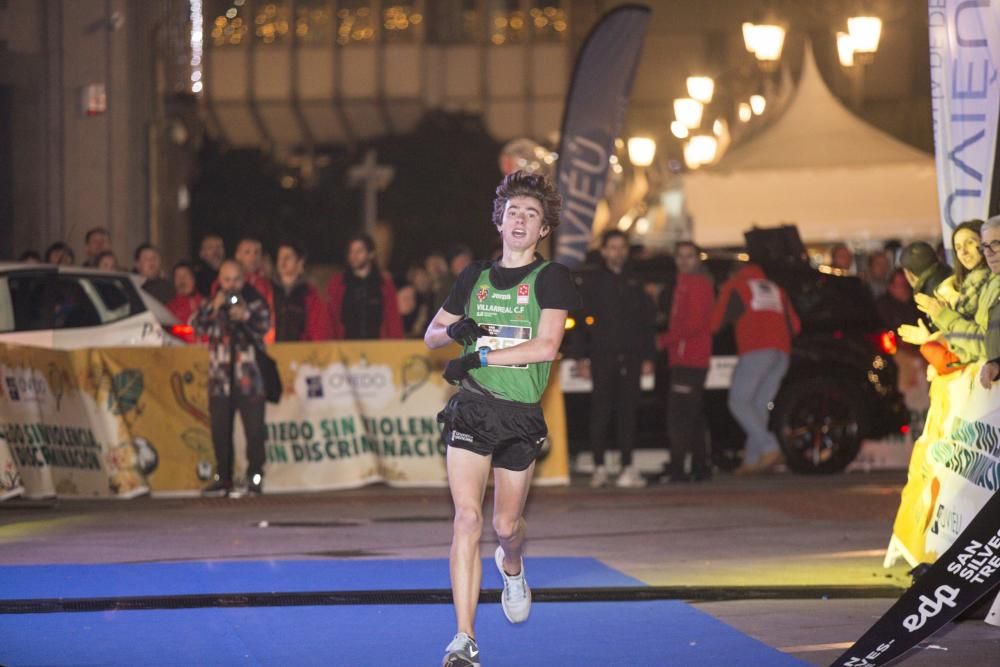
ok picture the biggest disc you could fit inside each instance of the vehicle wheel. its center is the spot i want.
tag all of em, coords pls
(819, 425)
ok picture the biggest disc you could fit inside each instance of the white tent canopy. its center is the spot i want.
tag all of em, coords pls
(821, 168)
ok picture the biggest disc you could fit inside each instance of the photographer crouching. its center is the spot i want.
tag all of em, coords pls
(235, 321)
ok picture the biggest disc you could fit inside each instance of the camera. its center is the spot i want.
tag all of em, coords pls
(231, 299)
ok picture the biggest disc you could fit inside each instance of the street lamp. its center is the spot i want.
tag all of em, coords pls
(757, 104)
(845, 49)
(700, 150)
(679, 129)
(765, 41)
(641, 151)
(865, 33)
(745, 112)
(701, 88)
(688, 111)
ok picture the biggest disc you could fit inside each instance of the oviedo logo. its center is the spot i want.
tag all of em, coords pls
(944, 596)
(339, 385)
(25, 385)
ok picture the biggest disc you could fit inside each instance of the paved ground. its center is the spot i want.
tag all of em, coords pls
(780, 530)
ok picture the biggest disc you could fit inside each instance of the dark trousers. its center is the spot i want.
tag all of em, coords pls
(616, 392)
(222, 410)
(686, 420)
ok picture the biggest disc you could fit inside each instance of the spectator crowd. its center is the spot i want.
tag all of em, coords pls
(363, 301)
(940, 311)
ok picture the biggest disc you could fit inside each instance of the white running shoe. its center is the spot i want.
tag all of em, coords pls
(630, 479)
(516, 596)
(599, 478)
(461, 652)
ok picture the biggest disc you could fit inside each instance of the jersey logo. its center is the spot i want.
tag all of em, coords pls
(522, 293)
(484, 292)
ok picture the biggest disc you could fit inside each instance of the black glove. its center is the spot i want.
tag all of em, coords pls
(460, 367)
(466, 331)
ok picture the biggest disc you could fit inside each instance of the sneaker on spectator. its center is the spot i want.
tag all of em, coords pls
(584, 463)
(599, 478)
(516, 596)
(220, 488)
(630, 479)
(461, 652)
(255, 486)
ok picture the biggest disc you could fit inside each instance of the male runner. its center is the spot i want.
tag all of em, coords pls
(509, 316)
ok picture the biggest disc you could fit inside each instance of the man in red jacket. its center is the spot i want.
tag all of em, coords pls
(362, 299)
(765, 323)
(689, 347)
(299, 312)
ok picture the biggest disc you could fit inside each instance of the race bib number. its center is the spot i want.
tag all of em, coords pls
(502, 337)
(765, 295)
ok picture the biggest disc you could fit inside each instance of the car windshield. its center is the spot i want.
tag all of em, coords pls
(41, 301)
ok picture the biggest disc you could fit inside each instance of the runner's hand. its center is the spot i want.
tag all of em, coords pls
(466, 331)
(459, 368)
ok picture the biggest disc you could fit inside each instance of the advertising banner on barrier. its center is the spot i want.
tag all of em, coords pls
(122, 421)
(10, 478)
(965, 102)
(968, 570)
(954, 470)
(921, 519)
(65, 420)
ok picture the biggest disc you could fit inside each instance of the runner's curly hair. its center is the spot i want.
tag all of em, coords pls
(523, 184)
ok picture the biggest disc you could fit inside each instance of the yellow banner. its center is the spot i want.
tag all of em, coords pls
(954, 468)
(351, 414)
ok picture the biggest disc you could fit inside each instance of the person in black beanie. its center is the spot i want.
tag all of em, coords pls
(923, 270)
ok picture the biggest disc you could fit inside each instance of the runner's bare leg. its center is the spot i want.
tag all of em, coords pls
(509, 497)
(468, 473)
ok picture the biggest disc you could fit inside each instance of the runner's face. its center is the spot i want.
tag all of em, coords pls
(522, 225)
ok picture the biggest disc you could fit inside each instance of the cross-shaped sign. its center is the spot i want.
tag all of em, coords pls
(373, 178)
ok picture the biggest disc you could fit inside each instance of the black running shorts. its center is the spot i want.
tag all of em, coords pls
(512, 433)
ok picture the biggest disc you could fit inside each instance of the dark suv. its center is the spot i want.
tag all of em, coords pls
(841, 383)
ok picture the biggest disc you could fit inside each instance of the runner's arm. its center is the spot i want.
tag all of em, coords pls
(437, 331)
(543, 347)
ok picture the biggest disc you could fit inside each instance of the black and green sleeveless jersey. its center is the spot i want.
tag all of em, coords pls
(511, 316)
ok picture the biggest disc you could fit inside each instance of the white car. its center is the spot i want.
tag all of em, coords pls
(67, 307)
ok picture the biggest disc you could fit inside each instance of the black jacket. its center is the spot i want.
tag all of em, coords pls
(624, 316)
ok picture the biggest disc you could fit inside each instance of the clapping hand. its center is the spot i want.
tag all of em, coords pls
(929, 304)
(914, 334)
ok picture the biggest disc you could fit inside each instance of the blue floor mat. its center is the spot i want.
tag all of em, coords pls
(18, 582)
(605, 634)
(663, 632)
